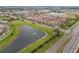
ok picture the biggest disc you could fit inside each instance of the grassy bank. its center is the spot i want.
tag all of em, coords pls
(10, 38)
(32, 47)
(49, 44)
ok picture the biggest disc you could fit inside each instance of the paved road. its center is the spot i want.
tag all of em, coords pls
(7, 32)
(60, 42)
(73, 44)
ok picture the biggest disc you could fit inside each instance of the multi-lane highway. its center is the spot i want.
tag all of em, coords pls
(73, 44)
(58, 44)
(64, 41)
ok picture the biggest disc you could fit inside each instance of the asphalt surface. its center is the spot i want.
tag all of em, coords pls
(67, 36)
(6, 32)
(73, 44)
(58, 44)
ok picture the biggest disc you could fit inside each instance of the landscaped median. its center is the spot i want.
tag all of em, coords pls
(33, 47)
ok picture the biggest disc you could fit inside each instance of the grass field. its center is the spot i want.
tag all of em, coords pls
(10, 38)
(15, 32)
(68, 24)
(49, 44)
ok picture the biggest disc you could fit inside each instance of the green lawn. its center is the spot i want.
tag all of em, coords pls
(10, 38)
(49, 44)
(15, 32)
(68, 24)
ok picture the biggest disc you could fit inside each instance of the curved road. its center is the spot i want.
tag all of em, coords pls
(6, 33)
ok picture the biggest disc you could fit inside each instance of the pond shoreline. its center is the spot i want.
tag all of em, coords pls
(35, 29)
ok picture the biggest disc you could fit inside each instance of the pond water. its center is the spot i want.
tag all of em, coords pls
(27, 36)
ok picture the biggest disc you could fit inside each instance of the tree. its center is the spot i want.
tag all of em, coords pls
(57, 30)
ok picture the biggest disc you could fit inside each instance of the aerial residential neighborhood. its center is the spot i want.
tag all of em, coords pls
(39, 29)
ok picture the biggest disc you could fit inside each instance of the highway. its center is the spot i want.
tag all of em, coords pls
(60, 43)
(73, 44)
